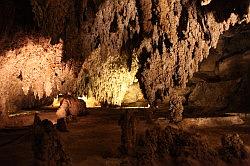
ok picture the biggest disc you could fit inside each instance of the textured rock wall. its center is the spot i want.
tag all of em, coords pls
(105, 80)
(221, 78)
(108, 43)
(169, 38)
(32, 72)
(192, 31)
(104, 33)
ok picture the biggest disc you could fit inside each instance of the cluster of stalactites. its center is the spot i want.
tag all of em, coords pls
(35, 70)
(182, 33)
(169, 38)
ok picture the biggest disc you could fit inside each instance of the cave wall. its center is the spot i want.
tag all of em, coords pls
(193, 32)
(104, 32)
(168, 38)
(31, 73)
(222, 80)
(103, 44)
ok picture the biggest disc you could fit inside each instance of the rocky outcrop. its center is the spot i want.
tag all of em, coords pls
(127, 122)
(185, 37)
(175, 108)
(212, 95)
(133, 94)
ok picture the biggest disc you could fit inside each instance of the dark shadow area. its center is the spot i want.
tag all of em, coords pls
(167, 42)
(143, 57)
(16, 15)
(16, 22)
(182, 24)
(114, 25)
(155, 13)
(222, 9)
(199, 112)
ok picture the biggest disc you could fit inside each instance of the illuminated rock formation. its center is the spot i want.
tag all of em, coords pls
(169, 38)
(97, 48)
(34, 69)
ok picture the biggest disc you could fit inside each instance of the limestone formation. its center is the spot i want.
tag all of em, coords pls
(176, 108)
(97, 48)
(47, 146)
(221, 78)
(168, 38)
(156, 143)
(212, 95)
(128, 132)
(70, 106)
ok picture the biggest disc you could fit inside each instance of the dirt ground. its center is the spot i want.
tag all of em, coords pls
(94, 139)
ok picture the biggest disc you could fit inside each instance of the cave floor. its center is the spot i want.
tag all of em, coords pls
(94, 139)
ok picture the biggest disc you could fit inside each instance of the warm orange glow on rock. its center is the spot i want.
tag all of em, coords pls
(90, 101)
(34, 67)
(108, 80)
(56, 102)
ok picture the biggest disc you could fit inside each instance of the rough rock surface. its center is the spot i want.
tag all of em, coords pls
(32, 72)
(128, 132)
(169, 38)
(133, 94)
(212, 95)
(233, 148)
(47, 147)
(221, 78)
(187, 148)
(108, 43)
(157, 143)
(175, 108)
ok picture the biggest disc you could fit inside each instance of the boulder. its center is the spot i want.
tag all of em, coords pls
(235, 66)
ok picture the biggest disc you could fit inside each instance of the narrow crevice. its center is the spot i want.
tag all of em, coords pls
(155, 12)
(182, 28)
(143, 58)
(114, 25)
(176, 77)
(160, 45)
(167, 42)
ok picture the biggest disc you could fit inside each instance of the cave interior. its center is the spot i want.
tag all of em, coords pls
(126, 82)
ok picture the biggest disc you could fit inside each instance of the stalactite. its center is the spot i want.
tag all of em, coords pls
(32, 72)
(159, 42)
